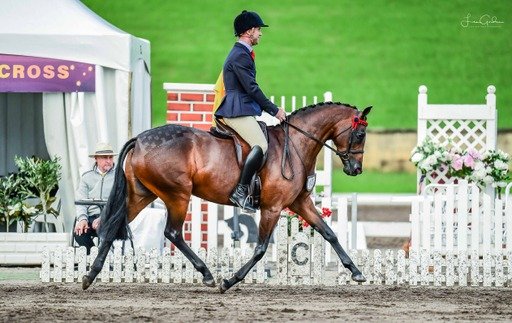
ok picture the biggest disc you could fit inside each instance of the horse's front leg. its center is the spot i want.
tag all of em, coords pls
(306, 209)
(267, 223)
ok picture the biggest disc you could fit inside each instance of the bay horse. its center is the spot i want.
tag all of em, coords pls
(173, 162)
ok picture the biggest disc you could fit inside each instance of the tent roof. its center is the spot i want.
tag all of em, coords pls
(67, 29)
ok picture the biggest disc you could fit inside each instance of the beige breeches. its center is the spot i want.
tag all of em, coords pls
(249, 129)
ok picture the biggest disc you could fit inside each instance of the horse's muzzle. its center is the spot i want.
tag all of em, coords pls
(352, 168)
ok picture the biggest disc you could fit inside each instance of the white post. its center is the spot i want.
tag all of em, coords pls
(342, 222)
(508, 219)
(353, 220)
(326, 203)
(462, 218)
(449, 218)
(422, 124)
(213, 220)
(415, 222)
(490, 99)
(196, 223)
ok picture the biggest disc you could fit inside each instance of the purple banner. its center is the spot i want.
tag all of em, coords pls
(36, 74)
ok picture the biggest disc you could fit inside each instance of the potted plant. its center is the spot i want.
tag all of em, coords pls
(13, 206)
(39, 179)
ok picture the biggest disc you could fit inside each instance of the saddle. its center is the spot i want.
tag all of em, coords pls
(223, 131)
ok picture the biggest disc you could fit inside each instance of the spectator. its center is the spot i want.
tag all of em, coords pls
(95, 184)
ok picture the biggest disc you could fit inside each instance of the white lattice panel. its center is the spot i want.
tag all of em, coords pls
(461, 126)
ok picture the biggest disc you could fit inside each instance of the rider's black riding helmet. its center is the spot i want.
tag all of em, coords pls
(247, 20)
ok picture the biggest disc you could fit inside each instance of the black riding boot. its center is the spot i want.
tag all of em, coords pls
(252, 164)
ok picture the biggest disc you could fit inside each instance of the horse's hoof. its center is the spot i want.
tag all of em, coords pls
(358, 278)
(224, 286)
(86, 282)
(210, 282)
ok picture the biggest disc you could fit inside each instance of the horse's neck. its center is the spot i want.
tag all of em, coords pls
(317, 126)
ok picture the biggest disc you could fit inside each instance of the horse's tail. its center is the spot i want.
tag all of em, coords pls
(114, 217)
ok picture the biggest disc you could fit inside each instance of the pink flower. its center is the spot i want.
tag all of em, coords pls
(458, 162)
(469, 161)
(475, 154)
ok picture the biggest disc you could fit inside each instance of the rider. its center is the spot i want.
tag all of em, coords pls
(244, 101)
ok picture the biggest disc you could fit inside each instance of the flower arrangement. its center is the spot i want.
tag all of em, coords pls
(326, 212)
(490, 168)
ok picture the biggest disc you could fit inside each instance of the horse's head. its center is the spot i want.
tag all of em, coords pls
(350, 142)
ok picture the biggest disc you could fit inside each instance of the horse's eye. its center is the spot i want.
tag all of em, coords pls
(361, 135)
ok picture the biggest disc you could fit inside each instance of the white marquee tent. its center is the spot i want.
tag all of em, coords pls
(119, 108)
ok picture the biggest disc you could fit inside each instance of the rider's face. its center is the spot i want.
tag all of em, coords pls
(254, 35)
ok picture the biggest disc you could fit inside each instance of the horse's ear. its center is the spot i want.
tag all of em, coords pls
(366, 111)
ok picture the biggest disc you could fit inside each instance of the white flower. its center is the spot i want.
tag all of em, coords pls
(417, 157)
(479, 172)
(14, 208)
(501, 184)
(29, 209)
(503, 155)
(488, 179)
(500, 164)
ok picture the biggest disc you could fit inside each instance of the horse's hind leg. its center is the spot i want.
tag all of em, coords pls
(97, 265)
(137, 198)
(306, 209)
(264, 232)
(176, 212)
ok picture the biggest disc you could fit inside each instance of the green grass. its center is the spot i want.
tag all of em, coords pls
(367, 53)
(373, 182)
(19, 273)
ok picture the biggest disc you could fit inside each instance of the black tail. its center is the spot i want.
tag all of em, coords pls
(114, 217)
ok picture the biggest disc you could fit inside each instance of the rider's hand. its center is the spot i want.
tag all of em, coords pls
(281, 115)
(81, 227)
(96, 224)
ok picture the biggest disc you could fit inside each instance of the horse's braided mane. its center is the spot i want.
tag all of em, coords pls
(321, 104)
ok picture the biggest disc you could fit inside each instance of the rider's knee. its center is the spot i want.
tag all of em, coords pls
(263, 146)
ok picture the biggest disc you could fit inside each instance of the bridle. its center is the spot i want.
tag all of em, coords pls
(344, 155)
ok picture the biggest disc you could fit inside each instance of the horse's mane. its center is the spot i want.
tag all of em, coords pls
(319, 105)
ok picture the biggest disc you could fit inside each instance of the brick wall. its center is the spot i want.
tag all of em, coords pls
(191, 105)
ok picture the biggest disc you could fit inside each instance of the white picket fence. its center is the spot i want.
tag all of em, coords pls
(458, 217)
(299, 261)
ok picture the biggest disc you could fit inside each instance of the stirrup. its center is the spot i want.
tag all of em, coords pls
(248, 206)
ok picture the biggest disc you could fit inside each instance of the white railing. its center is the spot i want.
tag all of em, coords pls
(299, 262)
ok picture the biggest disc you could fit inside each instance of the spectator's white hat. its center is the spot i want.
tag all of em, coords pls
(103, 149)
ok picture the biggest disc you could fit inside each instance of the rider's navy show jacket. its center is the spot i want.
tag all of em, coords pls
(243, 95)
